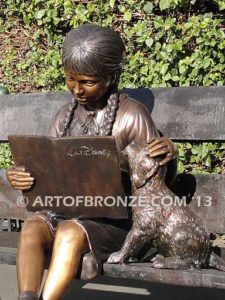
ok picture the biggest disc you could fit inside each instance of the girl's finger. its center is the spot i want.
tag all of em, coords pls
(165, 160)
(157, 148)
(18, 173)
(22, 186)
(22, 179)
(159, 152)
(154, 141)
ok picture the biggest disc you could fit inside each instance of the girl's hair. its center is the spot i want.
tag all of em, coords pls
(97, 51)
(93, 50)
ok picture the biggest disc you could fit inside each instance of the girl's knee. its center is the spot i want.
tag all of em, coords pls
(69, 231)
(35, 231)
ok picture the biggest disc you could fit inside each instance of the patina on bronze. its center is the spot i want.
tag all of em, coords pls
(93, 61)
(75, 176)
(181, 240)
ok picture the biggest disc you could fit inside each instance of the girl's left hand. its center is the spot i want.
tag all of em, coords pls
(162, 146)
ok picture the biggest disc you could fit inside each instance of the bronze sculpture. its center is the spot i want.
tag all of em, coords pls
(160, 221)
(93, 59)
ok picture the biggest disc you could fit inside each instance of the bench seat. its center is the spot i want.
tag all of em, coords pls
(143, 271)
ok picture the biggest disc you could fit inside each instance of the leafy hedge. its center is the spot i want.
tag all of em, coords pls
(169, 43)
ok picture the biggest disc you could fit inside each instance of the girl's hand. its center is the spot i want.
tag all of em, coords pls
(162, 146)
(19, 178)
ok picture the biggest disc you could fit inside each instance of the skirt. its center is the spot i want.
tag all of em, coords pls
(104, 237)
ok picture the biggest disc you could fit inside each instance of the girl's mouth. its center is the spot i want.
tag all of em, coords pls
(81, 100)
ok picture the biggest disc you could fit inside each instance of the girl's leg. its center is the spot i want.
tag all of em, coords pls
(34, 238)
(69, 245)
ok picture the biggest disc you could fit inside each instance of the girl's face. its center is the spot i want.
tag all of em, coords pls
(88, 90)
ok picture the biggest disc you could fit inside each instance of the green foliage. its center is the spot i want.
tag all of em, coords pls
(178, 48)
(169, 54)
(5, 155)
(201, 157)
(165, 4)
(221, 4)
(169, 43)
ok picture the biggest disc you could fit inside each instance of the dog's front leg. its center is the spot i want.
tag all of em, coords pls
(131, 247)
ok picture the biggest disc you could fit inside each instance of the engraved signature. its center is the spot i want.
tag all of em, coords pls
(88, 151)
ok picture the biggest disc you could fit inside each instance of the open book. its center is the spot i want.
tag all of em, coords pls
(74, 176)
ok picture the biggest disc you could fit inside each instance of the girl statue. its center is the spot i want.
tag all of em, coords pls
(93, 58)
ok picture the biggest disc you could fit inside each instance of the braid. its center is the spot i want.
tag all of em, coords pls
(110, 114)
(109, 118)
(68, 117)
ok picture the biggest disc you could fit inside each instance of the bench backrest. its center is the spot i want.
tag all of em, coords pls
(182, 114)
(189, 113)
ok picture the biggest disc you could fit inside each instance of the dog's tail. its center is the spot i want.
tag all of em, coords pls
(216, 262)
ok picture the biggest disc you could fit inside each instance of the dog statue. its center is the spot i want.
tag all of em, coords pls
(181, 240)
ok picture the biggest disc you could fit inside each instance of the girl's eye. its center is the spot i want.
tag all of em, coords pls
(69, 78)
(88, 82)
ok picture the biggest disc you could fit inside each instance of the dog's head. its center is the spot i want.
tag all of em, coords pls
(142, 166)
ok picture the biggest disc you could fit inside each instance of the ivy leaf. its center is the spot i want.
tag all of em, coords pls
(175, 78)
(144, 70)
(208, 161)
(167, 77)
(149, 42)
(127, 16)
(148, 8)
(181, 152)
(194, 151)
(39, 15)
(112, 3)
(205, 151)
(68, 4)
(164, 4)
(182, 69)
(206, 63)
(221, 5)
(164, 68)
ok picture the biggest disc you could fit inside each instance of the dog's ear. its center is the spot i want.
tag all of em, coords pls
(141, 176)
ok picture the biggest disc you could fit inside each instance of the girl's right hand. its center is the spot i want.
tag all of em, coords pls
(19, 178)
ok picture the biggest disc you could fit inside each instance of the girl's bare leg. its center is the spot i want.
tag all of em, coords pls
(69, 245)
(34, 238)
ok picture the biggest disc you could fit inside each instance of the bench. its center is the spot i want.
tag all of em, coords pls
(182, 114)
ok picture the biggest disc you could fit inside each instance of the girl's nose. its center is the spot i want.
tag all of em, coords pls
(78, 89)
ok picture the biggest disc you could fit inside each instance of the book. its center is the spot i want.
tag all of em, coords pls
(74, 176)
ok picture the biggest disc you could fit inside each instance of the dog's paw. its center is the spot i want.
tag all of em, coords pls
(158, 261)
(115, 258)
(157, 256)
(158, 264)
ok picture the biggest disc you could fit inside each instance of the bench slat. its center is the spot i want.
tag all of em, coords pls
(208, 200)
(29, 113)
(187, 113)
(144, 271)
